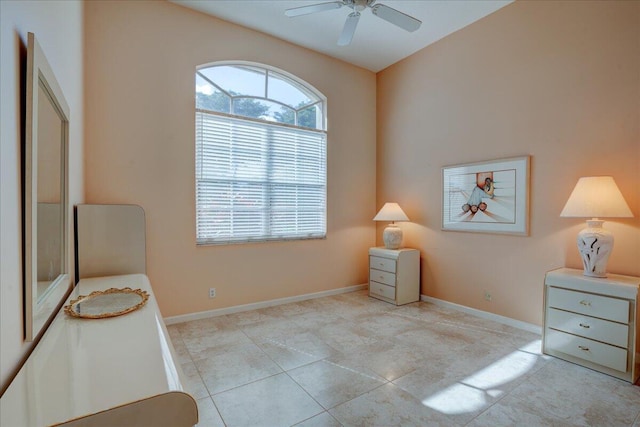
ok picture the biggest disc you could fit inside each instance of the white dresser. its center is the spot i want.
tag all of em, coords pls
(119, 371)
(394, 275)
(593, 322)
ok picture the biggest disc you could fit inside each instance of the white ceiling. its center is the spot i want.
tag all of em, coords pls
(376, 44)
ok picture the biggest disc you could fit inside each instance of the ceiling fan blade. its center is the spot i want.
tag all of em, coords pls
(396, 17)
(313, 8)
(349, 29)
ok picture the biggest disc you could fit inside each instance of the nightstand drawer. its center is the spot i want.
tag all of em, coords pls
(384, 264)
(589, 327)
(382, 277)
(589, 304)
(583, 348)
(385, 291)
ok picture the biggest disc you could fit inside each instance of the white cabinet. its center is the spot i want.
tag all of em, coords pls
(593, 321)
(394, 275)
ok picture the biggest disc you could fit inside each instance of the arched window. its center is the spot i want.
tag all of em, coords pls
(261, 149)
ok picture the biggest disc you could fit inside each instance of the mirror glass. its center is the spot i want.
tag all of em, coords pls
(46, 193)
(50, 204)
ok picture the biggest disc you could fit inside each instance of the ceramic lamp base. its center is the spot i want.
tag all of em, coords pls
(595, 245)
(392, 237)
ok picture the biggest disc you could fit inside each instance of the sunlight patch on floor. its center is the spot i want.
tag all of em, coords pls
(474, 392)
(457, 399)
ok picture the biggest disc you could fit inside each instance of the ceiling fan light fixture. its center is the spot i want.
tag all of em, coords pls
(360, 5)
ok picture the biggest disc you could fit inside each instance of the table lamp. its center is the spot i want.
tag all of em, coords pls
(392, 235)
(596, 197)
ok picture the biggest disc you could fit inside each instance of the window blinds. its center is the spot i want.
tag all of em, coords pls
(257, 181)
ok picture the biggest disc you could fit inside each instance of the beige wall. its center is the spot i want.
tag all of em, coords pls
(559, 81)
(58, 28)
(140, 63)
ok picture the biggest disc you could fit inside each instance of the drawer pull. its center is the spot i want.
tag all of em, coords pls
(586, 303)
(585, 326)
(583, 348)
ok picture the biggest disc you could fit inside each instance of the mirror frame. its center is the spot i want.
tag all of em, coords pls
(39, 310)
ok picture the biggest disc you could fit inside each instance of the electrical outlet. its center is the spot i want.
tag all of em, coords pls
(487, 295)
(212, 292)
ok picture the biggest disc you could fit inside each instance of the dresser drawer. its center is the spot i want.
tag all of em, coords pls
(589, 304)
(384, 264)
(586, 349)
(589, 327)
(382, 277)
(382, 290)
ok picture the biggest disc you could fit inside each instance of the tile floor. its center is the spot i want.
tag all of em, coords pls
(350, 360)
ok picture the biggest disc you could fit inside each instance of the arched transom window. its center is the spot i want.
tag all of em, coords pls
(261, 149)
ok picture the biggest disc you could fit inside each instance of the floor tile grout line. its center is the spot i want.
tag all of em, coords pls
(307, 392)
(198, 372)
(232, 388)
(507, 393)
(287, 372)
(511, 393)
(259, 345)
(218, 410)
(274, 342)
(323, 359)
(317, 415)
(245, 384)
(456, 324)
(209, 396)
(356, 372)
(184, 345)
(513, 396)
(358, 396)
(488, 407)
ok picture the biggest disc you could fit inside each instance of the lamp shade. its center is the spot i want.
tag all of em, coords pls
(596, 197)
(391, 212)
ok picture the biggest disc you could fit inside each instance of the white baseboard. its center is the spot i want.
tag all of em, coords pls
(530, 327)
(172, 320)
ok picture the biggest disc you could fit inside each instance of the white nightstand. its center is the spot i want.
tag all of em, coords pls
(394, 275)
(593, 322)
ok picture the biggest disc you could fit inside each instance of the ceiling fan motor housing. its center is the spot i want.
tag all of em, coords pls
(360, 5)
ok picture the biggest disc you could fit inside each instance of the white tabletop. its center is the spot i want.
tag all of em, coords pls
(614, 284)
(84, 366)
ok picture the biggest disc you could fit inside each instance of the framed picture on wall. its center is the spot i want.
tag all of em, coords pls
(487, 197)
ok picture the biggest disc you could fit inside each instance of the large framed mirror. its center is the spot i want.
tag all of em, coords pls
(46, 193)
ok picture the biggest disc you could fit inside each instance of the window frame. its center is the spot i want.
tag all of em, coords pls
(317, 100)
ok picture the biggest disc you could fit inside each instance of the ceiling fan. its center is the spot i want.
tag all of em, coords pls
(387, 13)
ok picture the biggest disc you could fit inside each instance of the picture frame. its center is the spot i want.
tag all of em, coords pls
(487, 197)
